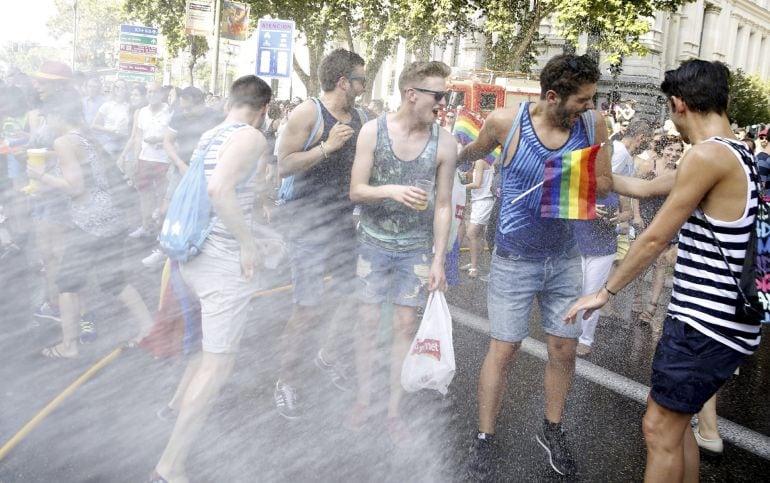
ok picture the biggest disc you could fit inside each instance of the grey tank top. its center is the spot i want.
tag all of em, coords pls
(389, 224)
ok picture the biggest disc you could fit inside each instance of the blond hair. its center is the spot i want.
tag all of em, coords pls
(417, 71)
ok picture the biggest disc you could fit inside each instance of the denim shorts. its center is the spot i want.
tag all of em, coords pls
(689, 367)
(312, 260)
(515, 281)
(398, 277)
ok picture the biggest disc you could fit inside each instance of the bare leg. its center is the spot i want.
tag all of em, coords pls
(691, 458)
(558, 375)
(196, 405)
(135, 304)
(492, 381)
(664, 432)
(69, 305)
(707, 419)
(365, 335)
(474, 235)
(189, 372)
(339, 328)
(49, 236)
(404, 322)
(146, 206)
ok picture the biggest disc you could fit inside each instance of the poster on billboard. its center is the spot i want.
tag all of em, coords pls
(138, 53)
(199, 17)
(234, 23)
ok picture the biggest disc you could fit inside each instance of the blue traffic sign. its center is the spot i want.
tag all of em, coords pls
(275, 48)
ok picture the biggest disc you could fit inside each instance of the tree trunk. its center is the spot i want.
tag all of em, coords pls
(529, 34)
(191, 70)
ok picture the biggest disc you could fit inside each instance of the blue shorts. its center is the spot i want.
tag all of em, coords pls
(515, 281)
(312, 260)
(689, 367)
(397, 277)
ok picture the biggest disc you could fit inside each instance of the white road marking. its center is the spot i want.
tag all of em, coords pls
(742, 437)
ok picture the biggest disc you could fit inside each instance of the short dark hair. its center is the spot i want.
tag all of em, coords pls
(565, 74)
(702, 85)
(339, 63)
(637, 127)
(65, 104)
(192, 93)
(251, 91)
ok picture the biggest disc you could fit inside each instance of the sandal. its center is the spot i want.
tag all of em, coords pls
(647, 317)
(636, 308)
(467, 266)
(473, 272)
(156, 478)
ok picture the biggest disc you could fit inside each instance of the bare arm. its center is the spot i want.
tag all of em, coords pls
(361, 191)
(237, 160)
(603, 166)
(478, 174)
(489, 137)
(169, 145)
(71, 181)
(697, 176)
(442, 217)
(642, 188)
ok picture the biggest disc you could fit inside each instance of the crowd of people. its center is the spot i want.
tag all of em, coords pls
(365, 196)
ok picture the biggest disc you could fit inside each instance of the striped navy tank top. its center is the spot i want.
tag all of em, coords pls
(520, 229)
(704, 294)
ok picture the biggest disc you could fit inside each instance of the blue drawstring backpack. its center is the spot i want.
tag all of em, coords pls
(188, 219)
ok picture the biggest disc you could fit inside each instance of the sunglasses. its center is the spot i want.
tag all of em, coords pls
(362, 80)
(437, 95)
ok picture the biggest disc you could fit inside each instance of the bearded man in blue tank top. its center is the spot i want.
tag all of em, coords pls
(712, 203)
(536, 257)
(401, 220)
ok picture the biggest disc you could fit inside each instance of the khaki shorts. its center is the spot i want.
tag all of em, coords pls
(215, 278)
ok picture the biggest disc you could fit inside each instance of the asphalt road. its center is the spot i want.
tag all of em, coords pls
(107, 431)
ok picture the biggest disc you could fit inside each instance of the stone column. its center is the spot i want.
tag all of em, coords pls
(741, 46)
(753, 55)
(710, 34)
(727, 46)
(672, 41)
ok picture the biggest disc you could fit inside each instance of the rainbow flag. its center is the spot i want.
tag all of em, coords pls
(466, 130)
(569, 185)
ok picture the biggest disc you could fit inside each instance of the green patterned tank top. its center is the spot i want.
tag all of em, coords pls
(389, 224)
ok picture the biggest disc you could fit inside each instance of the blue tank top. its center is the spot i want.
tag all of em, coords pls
(520, 229)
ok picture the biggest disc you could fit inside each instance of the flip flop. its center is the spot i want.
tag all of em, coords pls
(53, 353)
(156, 478)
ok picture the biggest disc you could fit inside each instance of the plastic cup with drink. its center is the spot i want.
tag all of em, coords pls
(427, 186)
(35, 159)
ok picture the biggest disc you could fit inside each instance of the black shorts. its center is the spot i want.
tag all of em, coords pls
(88, 257)
(689, 367)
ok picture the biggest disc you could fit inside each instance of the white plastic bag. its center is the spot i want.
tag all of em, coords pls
(430, 362)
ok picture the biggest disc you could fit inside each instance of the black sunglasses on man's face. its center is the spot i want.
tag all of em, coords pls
(437, 95)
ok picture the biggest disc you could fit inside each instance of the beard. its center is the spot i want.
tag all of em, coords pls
(564, 117)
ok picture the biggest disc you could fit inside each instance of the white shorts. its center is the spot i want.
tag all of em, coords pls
(224, 297)
(481, 209)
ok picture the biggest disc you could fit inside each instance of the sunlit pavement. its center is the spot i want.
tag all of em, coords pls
(107, 431)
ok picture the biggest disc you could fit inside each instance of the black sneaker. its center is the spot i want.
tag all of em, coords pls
(335, 371)
(481, 459)
(286, 401)
(556, 446)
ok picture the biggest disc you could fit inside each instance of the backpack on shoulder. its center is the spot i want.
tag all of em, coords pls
(188, 219)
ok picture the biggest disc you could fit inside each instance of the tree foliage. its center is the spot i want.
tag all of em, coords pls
(169, 17)
(98, 30)
(749, 102)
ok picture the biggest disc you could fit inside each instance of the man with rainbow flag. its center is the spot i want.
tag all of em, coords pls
(553, 169)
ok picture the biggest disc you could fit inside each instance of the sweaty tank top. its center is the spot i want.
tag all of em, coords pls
(520, 229)
(389, 224)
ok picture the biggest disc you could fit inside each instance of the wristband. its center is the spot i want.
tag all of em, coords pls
(323, 150)
(609, 291)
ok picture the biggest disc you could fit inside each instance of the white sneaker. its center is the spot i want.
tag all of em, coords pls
(711, 446)
(156, 259)
(140, 232)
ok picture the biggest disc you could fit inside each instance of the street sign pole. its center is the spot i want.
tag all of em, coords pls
(215, 67)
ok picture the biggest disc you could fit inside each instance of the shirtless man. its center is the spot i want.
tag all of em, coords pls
(713, 196)
(534, 256)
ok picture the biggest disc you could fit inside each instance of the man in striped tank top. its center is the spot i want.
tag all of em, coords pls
(536, 257)
(223, 275)
(711, 194)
